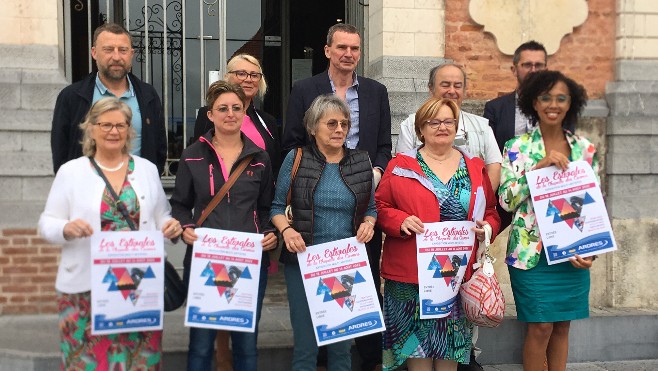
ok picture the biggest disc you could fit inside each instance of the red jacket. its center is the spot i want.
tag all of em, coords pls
(401, 193)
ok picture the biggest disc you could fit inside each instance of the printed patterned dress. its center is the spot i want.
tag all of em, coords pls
(407, 336)
(542, 292)
(117, 352)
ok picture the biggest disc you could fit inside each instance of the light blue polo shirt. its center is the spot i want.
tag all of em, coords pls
(130, 99)
(352, 100)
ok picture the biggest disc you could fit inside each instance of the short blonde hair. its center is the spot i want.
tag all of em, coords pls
(429, 110)
(100, 107)
(262, 84)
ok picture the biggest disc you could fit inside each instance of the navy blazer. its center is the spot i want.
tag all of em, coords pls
(374, 116)
(500, 112)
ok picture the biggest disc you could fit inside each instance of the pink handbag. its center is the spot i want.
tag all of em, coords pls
(482, 299)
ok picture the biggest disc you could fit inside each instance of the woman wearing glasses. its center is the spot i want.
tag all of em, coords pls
(79, 204)
(435, 182)
(547, 297)
(246, 71)
(331, 199)
(204, 168)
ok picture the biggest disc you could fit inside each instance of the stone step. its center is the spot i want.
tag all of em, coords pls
(632, 98)
(25, 120)
(29, 56)
(37, 163)
(22, 88)
(610, 337)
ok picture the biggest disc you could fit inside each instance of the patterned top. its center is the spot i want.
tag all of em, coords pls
(455, 196)
(111, 218)
(522, 154)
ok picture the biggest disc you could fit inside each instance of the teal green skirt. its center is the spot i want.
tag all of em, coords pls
(550, 293)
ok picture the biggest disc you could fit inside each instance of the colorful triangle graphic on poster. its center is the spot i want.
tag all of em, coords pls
(149, 273)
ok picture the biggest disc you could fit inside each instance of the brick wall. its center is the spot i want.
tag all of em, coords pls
(28, 266)
(586, 55)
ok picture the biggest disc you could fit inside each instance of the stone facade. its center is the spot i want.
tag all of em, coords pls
(405, 39)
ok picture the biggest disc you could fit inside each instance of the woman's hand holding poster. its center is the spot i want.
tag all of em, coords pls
(570, 212)
(443, 251)
(340, 291)
(224, 277)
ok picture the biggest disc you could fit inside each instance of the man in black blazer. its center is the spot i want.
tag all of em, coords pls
(503, 113)
(370, 131)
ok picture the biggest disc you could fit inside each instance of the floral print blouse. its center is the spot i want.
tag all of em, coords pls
(522, 154)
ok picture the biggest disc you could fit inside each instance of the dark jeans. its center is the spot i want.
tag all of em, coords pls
(202, 340)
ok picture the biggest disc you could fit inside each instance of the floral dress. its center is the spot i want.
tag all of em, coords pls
(407, 336)
(542, 292)
(117, 352)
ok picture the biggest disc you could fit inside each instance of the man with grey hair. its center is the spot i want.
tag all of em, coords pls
(474, 134)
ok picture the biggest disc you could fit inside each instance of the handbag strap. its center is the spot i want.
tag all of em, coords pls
(120, 205)
(293, 173)
(222, 191)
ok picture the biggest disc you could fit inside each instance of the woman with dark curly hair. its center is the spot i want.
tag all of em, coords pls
(548, 297)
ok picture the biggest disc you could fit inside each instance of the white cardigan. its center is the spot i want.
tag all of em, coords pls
(76, 193)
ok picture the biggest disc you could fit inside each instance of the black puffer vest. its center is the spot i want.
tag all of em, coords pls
(356, 171)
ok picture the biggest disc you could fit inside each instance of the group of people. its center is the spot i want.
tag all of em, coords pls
(346, 184)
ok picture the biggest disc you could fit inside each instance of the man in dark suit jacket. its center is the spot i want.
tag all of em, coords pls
(503, 113)
(370, 131)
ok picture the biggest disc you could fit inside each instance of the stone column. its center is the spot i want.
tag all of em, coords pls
(632, 164)
(405, 40)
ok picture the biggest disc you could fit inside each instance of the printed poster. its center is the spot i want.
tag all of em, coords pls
(443, 252)
(127, 281)
(224, 276)
(570, 212)
(340, 291)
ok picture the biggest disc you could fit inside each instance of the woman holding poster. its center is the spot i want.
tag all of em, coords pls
(79, 204)
(434, 183)
(204, 168)
(331, 199)
(547, 297)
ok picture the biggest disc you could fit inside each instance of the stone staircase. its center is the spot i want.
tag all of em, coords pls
(30, 79)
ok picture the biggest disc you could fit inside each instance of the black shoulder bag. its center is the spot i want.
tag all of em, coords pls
(175, 293)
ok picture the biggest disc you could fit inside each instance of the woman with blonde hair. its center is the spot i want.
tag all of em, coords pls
(79, 204)
(245, 70)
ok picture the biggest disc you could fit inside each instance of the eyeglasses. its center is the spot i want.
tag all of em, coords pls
(108, 126)
(110, 49)
(436, 123)
(536, 66)
(333, 124)
(224, 109)
(558, 99)
(242, 75)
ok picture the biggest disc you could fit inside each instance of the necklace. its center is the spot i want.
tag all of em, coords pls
(110, 169)
(436, 158)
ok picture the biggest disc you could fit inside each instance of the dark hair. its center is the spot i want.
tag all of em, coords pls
(220, 87)
(530, 45)
(435, 70)
(541, 82)
(343, 27)
(114, 28)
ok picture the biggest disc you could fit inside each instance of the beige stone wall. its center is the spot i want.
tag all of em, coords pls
(406, 28)
(637, 29)
(27, 22)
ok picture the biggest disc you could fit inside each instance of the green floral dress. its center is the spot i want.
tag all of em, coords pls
(521, 154)
(542, 293)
